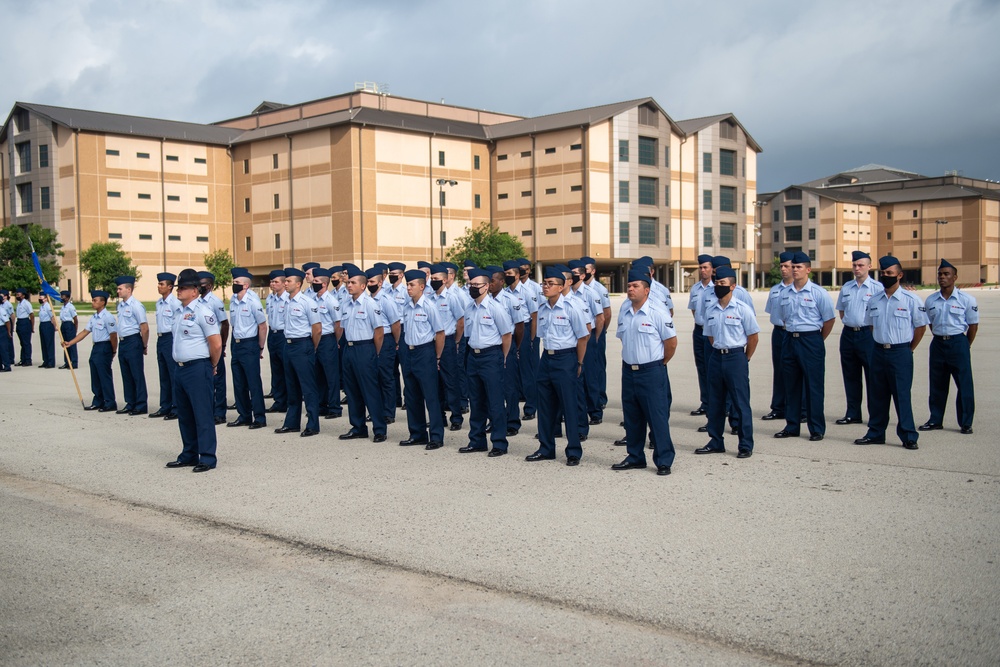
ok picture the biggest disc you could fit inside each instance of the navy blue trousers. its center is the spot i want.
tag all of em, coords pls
(777, 375)
(23, 329)
(194, 393)
(602, 367)
(646, 401)
(855, 363)
(699, 342)
(951, 359)
(421, 389)
(528, 366)
(102, 381)
(449, 393)
(132, 365)
(361, 386)
(386, 381)
(894, 370)
(486, 397)
(6, 348)
(558, 395)
(328, 375)
(397, 370)
(167, 371)
(592, 378)
(68, 331)
(244, 359)
(300, 378)
(47, 334)
(512, 389)
(219, 382)
(730, 375)
(803, 364)
(463, 377)
(276, 356)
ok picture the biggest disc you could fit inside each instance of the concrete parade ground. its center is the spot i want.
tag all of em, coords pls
(320, 551)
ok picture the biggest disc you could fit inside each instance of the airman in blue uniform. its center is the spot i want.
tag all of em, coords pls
(604, 299)
(773, 309)
(451, 316)
(529, 343)
(197, 350)
(328, 351)
(249, 330)
(68, 323)
(364, 332)
(105, 330)
(808, 315)
(302, 334)
(395, 286)
(6, 332)
(954, 319)
(511, 374)
(698, 340)
(46, 332)
(898, 320)
(133, 336)
(277, 300)
(528, 308)
(424, 340)
(25, 325)
(649, 341)
(208, 299)
(856, 342)
(167, 307)
(591, 382)
(307, 280)
(386, 308)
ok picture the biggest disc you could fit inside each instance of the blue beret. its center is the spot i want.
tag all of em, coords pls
(438, 268)
(336, 269)
(423, 265)
(169, 277)
(348, 265)
(469, 264)
(646, 259)
(21, 290)
(887, 261)
(373, 273)
(353, 271)
(397, 266)
(492, 269)
(522, 261)
(945, 264)
(801, 258)
(449, 266)
(98, 293)
(240, 272)
(704, 259)
(642, 265)
(277, 273)
(64, 293)
(588, 260)
(381, 266)
(638, 274)
(720, 260)
(320, 272)
(479, 273)
(511, 265)
(206, 274)
(725, 272)
(309, 265)
(574, 264)
(554, 273)
(125, 280)
(562, 267)
(859, 254)
(785, 257)
(5, 292)
(415, 274)
(292, 272)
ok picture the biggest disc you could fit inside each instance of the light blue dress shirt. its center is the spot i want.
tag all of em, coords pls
(328, 307)
(166, 310)
(951, 316)
(486, 323)
(300, 314)
(420, 321)
(101, 325)
(853, 300)
(131, 314)
(387, 310)
(698, 290)
(730, 326)
(45, 313)
(67, 312)
(193, 325)
(587, 301)
(773, 305)
(661, 293)
(245, 315)
(24, 309)
(603, 297)
(359, 318)
(562, 325)
(215, 304)
(893, 318)
(806, 309)
(276, 310)
(643, 331)
(449, 308)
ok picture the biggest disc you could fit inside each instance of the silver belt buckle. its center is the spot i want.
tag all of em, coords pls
(350, 343)
(411, 346)
(887, 346)
(475, 351)
(288, 340)
(634, 367)
(236, 340)
(550, 351)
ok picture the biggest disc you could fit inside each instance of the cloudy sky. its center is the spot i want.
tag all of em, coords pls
(822, 86)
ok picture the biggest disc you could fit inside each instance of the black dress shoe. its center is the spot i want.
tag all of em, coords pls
(628, 465)
(170, 417)
(123, 411)
(538, 456)
(92, 407)
(847, 420)
(332, 415)
(409, 442)
(697, 413)
(106, 410)
(496, 452)
(804, 420)
(583, 438)
(179, 464)
(159, 414)
(455, 427)
(256, 425)
(276, 409)
(236, 423)
(744, 454)
(470, 450)
(622, 423)
(702, 429)
(286, 429)
(434, 445)
(201, 467)
(352, 435)
(379, 437)
(910, 444)
(734, 431)
(231, 407)
(136, 413)
(268, 396)
(662, 470)
(390, 420)
(815, 437)
(772, 415)
(869, 441)
(708, 450)
(930, 426)
(465, 411)
(572, 460)
(511, 432)
(594, 421)
(343, 401)
(621, 443)
(308, 432)
(64, 367)
(966, 430)
(220, 420)
(785, 434)
(527, 418)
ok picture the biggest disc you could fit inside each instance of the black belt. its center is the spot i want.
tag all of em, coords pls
(891, 346)
(566, 350)
(949, 337)
(480, 350)
(129, 336)
(698, 326)
(277, 331)
(244, 340)
(797, 334)
(857, 329)
(728, 350)
(639, 367)
(190, 363)
(419, 347)
(328, 335)
(161, 335)
(779, 327)
(298, 340)
(355, 343)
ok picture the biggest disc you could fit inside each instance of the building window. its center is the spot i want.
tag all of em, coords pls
(43, 156)
(526, 232)
(575, 147)
(525, 153)
(173, 238)
(727, 235)
(173, 197)
(111, 151)
(648, 187)
(142, 156)
(812, 255)
(706, 237)
(246, 204)
(706, 200)
(274, 161)
(576, 188)
(623, 231)
(501, 157)
(277, 241)
(441, 198)
(478, 201)
(914, 233)
(914, 254)
(795, 193)
(623, 192)
(574, 230)
(550, 191)
(502, 195)
(647, 231)
(706, 163)
(888, 236)
(666, 157)
(201, 239)
(666, 195)
(727, 129)
(200, 160)
(744, 238)
(812, 234)
(201, 200)
(112, 193)
(623, 150)
(145, 195)
(727, 199)
(777, 237)
(744, 169)
(277, 200)
(21, 120)
(793, 233)
(550, 151)
(793, 212)
(666, 234)
(550, 230)
(247, 245)
(647, 151)
(475, 162)
(776, 215)
(113, 235)
(145, 237)
(173, 158)
(440, 158)
(727, 162)
(914, 213)
(246, 166)
(525, 193)
(443, 239)
(812, 212)
(43, 198)
(24, 156)
(888, 215)
(648, 115)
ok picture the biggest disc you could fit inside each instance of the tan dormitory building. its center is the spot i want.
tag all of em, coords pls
(368, 177)
(886, 211)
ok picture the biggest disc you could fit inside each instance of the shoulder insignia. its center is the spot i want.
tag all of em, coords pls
(975, 308)
(210, 319)
(922, 309)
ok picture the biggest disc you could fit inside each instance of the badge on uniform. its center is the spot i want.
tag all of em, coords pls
(975, 309)
(210, 319)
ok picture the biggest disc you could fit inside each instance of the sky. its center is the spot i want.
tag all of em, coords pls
(821, 86)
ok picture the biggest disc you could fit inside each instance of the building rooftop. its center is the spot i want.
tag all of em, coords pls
(693, 125)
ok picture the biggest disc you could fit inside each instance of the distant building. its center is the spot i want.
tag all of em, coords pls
(354, 177)
(887, 211)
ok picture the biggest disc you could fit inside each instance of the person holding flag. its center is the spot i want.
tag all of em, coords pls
(105, 331)
(68, 324)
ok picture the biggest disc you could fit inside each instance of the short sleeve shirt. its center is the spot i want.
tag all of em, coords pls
(951, 316)
(643, 331)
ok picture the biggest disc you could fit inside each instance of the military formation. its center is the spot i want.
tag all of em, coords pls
(388, 339)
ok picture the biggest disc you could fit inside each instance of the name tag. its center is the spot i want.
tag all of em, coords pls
(486, 320)
(808, 303)
(361, 315)
(296, 310)
(957, 309)
(560, 321)
(902, 312)
(99, 326)
(733, 321)
(419, 317)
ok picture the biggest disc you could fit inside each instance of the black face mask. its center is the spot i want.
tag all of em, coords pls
(575, 278)
(237, 288)
(509, 280)
(203, 289)
(522, 272)
(335, 283)
(436, 284)
(588, 276)
(393, 279)
(373, 288)
(721, 291)
(888, 281)
(475, 291)
(317, 287)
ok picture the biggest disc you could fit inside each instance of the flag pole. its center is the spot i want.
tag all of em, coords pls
(72, 371)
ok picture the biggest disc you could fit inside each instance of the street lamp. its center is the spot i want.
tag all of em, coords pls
(441, 183)
(937, 226)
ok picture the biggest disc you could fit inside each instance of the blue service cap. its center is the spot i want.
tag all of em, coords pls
(168, 277)
(554, 273)
(725, 272)
(438, 268)
(381, 266)
(450, 266)
(469, 264)
(887, 261)
(479, 273)
(646, 259)
(277, 273)
(21, 290)
(720, 260)
(523, 262)
(373, 273)
(397, 266)
(320, 272)
(704, 259)
(206, 274)
(588, 260)
(638, 274)
(859, 254)
(98, 293)
(64, 292)
(493, 268)
(415, 274)
(5, 292)
(348, 265)
(309, 265)
(562, 267)
(641, 264)
(336, 269)
(353, 271)
(292, 272)
(785, 257)
(511, 265)
(575, 264)
(945, 264)
(801, 258)
(240, 272)
(125, 280)
(423, 265)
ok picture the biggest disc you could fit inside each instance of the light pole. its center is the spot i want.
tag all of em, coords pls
(937, 226)
(441, 183)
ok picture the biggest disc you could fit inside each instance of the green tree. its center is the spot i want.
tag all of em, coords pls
(774, 275)
(103, 262)
(485, 245)
(220, 263)
(16, 268)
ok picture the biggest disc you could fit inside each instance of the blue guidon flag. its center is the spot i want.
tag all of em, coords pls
(47, 289)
